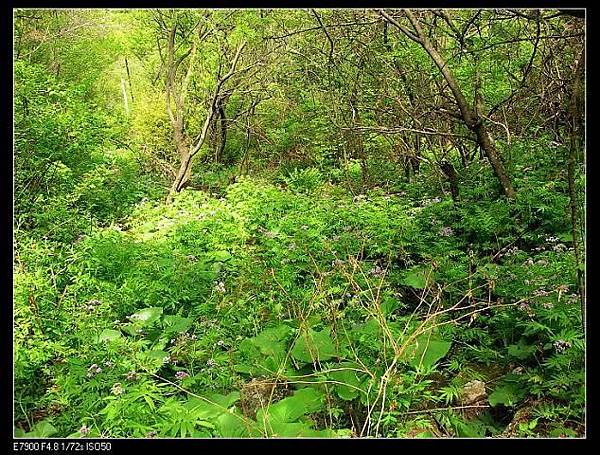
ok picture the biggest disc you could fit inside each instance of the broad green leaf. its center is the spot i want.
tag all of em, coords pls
(147, 315)
(108, 335)
(176, 324)
(426, 351)
(521, 350)
(507, 394)
(417, 278)
(42, 429)
(289, 409)
(351, 386)
(213, 405)
(312, 346)
(232, 426)
(220, 256)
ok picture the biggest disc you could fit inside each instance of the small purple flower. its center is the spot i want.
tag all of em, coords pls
(446, 231)
(524, 306)
(84, 430)
(132, 376)
(562, 345)
(181, 375)
(93, 369)
(376, 271)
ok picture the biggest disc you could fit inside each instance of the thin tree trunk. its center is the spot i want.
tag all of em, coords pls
(125, 101)
(129, 79)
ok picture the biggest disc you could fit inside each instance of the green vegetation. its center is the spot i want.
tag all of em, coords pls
(290, 223)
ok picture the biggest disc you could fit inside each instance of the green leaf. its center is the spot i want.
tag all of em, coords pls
(521, 350)
(417, 278)
(108, 335)
(42, 429)
(232, 426)
(311, 346)
(426, 351)
(350, 388)
(213, 405)
(507, 394)
(566, 236)
(176, 324)
(220, 256)
(147, 316)
(292, 408)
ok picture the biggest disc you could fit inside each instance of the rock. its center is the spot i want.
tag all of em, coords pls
(473, 392)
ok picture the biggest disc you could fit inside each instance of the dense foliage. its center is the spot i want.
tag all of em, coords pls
(343, 259)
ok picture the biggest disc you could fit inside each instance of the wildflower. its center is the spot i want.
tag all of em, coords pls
(304, 227)
(376, 271)
(84, 430)
(131, 376)
(337, 263)
(548, 305)
(151, 434)
(93, 369)
(94, 302)
(220, 287)
(559, 248)
(117, 389)
(221, 343)
(211, 363)
(108, 363)
(540, 293)
(181, 375)
(561, 345)
(192, 258)
(291, 246)
(446, 232)
(542, 262)
(529, 261)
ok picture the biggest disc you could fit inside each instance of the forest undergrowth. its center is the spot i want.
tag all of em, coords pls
(295, 296)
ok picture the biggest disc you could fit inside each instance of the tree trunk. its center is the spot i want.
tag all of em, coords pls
(222, 126)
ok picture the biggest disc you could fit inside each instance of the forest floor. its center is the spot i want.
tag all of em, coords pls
(291, 308)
